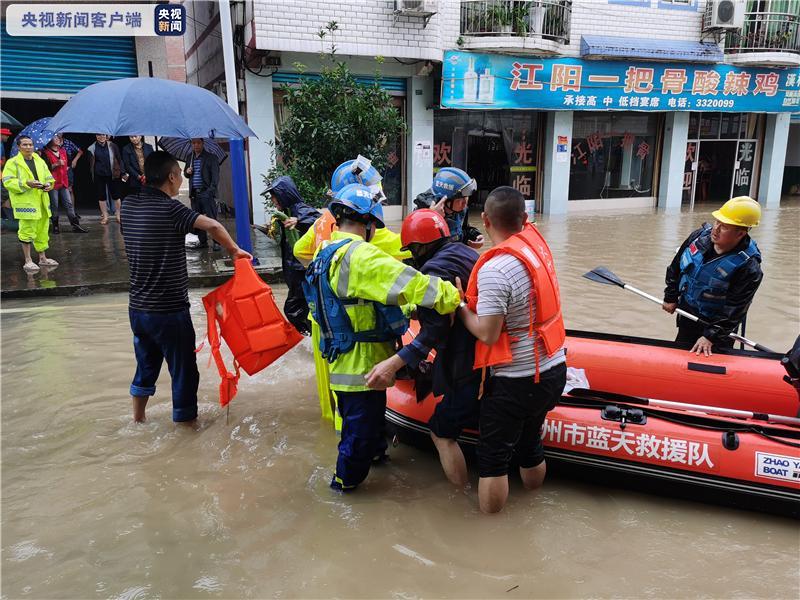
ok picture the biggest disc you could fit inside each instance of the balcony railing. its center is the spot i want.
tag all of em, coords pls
(544, 19)
(769, 26)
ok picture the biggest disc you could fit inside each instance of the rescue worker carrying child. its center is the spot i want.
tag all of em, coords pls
(355, 291)
(359, 170)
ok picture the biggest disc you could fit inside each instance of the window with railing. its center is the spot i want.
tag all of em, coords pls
(769, 26)
(545, 19)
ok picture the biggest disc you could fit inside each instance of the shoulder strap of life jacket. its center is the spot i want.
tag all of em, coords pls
(336, 331)
(229, 383)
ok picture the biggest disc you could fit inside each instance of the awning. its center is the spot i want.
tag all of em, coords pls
(605, 46)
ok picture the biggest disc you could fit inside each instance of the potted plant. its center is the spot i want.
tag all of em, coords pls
(520, 16)
(500, 18)
(477, 20)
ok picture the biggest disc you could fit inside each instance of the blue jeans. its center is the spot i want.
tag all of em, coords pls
(363, 437)
(61, 197)
(159, 336)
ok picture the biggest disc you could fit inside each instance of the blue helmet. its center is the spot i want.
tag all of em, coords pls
(359, 199)
(358, 170)
(453, 183)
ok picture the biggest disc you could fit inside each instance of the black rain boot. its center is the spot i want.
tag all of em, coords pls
(76, 226)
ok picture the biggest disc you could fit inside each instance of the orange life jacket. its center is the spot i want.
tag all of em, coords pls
(324, 227)
(547, 325)
(250, 323)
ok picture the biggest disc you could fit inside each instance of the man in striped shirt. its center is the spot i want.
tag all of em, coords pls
(203, 174)
(154, 226)
(515, 399)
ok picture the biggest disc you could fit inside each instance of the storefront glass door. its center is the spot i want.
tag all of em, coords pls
(721, 157)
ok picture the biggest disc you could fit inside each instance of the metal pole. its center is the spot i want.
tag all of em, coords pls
(241, 202)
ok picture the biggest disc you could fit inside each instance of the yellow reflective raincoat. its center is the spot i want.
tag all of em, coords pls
(363, 271)
(28, 203)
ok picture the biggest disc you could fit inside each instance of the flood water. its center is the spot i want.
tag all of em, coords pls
(94, 506)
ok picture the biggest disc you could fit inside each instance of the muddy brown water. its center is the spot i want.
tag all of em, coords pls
(96, 507)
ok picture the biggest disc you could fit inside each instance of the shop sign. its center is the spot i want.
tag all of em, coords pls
(494, 81)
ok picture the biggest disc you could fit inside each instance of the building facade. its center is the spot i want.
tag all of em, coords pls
(583, 104)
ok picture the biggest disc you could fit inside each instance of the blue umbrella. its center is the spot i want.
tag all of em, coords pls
(40, 134)
(37, 132)
(149, 106)
(181, 148)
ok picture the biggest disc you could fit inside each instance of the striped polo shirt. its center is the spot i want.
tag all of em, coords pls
(154, 227)
(504, 288)
(197, 175)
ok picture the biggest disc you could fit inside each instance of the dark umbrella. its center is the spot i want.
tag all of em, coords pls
(181, 148)
(149, 106)
(9, 122)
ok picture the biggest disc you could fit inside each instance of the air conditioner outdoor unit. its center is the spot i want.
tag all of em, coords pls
(416, 8)
(723, 14)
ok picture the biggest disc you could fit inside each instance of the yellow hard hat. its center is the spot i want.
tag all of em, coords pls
(742, 211)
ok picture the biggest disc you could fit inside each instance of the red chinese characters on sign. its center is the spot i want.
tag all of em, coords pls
(705, 83)
(736, 84)
(595, 142)
(523, 153)
(522, 183)
(767, 84)
(690, 153)
(579, 155)
(643, 150)
(566, 78)
(627, 140)
(524, 76)
(638, 80)
(441, 154)
(673, 81)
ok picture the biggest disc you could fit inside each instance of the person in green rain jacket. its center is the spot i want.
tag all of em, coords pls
(28, 181)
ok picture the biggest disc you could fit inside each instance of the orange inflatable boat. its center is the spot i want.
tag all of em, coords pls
(722, 428)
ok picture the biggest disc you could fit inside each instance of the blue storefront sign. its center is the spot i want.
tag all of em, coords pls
(492, 81)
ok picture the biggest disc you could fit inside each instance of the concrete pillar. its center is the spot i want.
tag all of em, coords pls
(673, 159)
(419, 171)
(776, 138)
(555, 190)
(261, 119)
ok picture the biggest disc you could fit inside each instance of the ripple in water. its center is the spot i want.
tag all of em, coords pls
(207, 583)
(137, 592)
(27, 549)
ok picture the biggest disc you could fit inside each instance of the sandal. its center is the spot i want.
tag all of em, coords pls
(30, 267)
(48, 262)
(103, 220)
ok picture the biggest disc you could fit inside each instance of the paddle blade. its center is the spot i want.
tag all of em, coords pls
(603, 275)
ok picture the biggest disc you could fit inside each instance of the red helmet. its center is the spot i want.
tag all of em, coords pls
(423, 227)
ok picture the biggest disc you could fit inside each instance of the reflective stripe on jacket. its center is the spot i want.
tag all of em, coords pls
(27, 202)
(363, 271)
